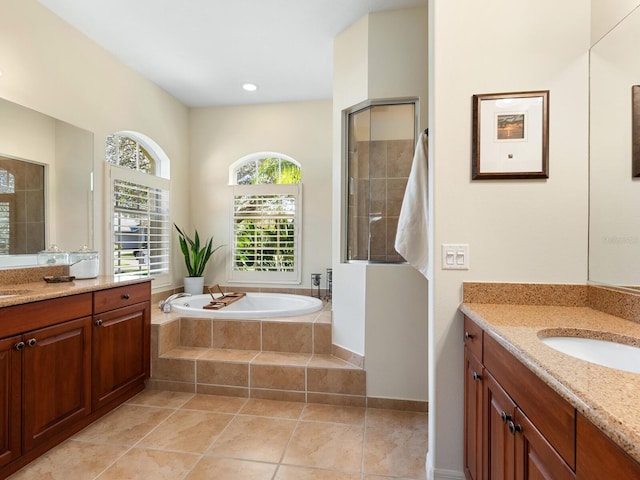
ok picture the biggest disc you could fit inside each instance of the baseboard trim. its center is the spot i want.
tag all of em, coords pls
(397, 404)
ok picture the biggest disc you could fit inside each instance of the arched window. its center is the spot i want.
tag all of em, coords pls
(266, 218)
(139, 203)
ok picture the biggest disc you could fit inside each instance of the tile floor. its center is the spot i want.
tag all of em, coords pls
(169, 435)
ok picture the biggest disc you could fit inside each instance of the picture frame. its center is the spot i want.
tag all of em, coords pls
(635, 130)
(510, 135)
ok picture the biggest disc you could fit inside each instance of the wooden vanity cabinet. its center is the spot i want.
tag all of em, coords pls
(473, 394)
(56, 380)
(121, 341)
(598, 457)
(10, 399)
(46, 372)
(65, 362)
(512, 445)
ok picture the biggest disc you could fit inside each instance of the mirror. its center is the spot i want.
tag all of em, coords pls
(35, 145)
(614, 216)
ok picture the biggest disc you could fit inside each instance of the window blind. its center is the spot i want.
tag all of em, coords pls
(266, 231)
(140, 222)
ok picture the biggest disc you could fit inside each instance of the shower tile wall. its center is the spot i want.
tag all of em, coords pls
(22, 211)
(382, 170)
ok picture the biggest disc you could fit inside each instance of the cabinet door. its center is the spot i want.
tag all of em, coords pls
(499, 443)
(598, 457)
(10, 398)
(56, 379)
(120, 351)
(472, 416)
(536, 459)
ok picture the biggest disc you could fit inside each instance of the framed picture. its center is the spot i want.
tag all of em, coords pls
(635, 129)
(510, 135)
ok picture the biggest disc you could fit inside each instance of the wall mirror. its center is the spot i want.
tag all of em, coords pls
(614, 194)
(46, 194)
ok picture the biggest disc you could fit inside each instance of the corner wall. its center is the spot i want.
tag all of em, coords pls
(221, 135)
(517, 230)
(52, 68)
(380, 310)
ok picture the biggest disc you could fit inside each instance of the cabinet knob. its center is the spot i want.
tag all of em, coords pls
(126, 296)
(505, 417)
(19, 346)
(468, 335)
(476, 376)
(513, 428)
(98, 322)
(31, 342)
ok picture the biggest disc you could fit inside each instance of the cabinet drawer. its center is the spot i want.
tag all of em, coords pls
(548, 411)
(473, 337)
(30, 316)
(105, 300)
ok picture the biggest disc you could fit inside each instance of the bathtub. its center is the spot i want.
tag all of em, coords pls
(253, 305)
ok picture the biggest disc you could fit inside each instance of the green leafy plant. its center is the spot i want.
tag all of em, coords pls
(195, 255)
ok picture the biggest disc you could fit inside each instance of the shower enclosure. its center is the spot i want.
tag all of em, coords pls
(381, 137)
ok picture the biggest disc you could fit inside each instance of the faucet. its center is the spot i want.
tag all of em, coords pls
(165, 305)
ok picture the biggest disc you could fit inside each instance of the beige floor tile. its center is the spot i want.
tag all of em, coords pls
(287, 472)
(385, 477)
(277, 377)
(254, 438)
(333, 414)
(397, 452)
(124, 426)
(223, 373)
(185, 352)
(141, 464)
(160, 398)
(229, 355)
(328, 361)
(326, 445)
(281, 358)
(209, 468)
(272, 408)
(72, 460)
(287, 337)
(187, 431)
(396, 419)
(215, 403)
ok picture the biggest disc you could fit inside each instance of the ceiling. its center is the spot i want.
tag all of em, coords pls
(202, 51)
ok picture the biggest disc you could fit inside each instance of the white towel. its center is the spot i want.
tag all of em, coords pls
(412, 235)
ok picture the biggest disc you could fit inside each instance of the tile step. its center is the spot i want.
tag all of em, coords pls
(262, 374)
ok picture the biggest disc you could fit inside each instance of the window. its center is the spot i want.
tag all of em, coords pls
(265, 218)
(139, 203)
(381, 136)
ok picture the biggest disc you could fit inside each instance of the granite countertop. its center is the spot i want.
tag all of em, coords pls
(35, 291)
(608, 397)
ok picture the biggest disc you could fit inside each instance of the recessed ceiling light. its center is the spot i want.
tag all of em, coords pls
(250, 87)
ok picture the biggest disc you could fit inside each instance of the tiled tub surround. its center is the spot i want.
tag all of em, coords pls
(609, 398)
(282, 359)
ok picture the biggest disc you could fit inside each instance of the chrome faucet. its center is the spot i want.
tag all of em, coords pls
(165, 305)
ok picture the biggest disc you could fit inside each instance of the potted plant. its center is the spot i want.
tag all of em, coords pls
(196, 256)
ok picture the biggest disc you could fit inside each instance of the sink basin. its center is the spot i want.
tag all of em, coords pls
(603, 352)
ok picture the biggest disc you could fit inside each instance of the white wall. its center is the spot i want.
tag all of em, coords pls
(52, 68)
(518, 230)
(350, 87)
(605, 14)
(380, 310)
(222, 135)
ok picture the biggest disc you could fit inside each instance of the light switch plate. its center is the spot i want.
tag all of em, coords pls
(455, 256)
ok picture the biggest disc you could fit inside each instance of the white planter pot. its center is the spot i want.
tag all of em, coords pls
(194, 285)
